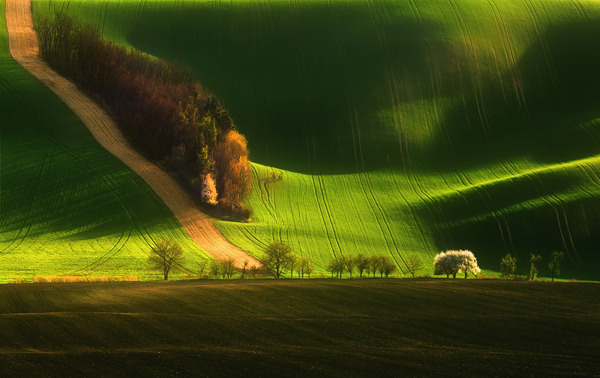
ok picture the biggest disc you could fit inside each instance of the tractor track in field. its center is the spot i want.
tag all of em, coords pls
(24, 49)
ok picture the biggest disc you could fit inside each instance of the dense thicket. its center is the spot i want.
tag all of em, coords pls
(163, 110)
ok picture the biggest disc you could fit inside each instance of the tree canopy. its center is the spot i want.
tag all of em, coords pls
(166, 255)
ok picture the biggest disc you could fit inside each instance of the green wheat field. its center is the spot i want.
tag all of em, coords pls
(400, 127)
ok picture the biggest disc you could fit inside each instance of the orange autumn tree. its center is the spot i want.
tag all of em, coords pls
(234, 174)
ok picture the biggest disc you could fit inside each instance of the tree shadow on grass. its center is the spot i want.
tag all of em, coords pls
(550, 113)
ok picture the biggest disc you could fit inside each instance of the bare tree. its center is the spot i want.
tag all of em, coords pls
(254, 271)
(349, 264)
(244, 266)
(332, 267)
(292, 260)
(276, 258)
(387, 266)
(228, 267)
(202, 267)
(413, 264)
(376, 264)
(554, 263)
(306, 266)
(336, 266)
(362, 263)
(166, 254)
(215, 268)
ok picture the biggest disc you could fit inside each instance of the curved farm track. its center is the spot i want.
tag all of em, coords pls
(24, 48)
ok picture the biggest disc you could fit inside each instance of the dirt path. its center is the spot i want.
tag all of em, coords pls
(24, 49)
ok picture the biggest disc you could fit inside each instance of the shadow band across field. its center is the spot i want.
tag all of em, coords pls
(306, 84)
(314, 85)
(291, 328)
(540, 115)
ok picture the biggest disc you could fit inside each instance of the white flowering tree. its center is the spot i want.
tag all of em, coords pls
(208, 192)
(445, 264)
(454, 262)
(469, 264)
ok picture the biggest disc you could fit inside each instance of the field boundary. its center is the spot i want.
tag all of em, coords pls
(23, 45)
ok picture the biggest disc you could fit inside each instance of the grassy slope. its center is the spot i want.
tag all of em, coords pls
(401, 125)
(68, 206)
(294, 328)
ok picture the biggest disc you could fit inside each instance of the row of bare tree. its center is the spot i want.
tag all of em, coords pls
(162, 109)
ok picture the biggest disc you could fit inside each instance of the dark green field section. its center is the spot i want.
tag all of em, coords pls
(68, 207)
(350, 85)
(295, 328)
(399, 126)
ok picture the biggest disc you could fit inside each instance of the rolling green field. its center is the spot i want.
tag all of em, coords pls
(335, 328)
(68, 207)
(399, 126)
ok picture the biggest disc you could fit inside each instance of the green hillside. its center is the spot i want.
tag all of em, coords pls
(400, 126)
(68, 207)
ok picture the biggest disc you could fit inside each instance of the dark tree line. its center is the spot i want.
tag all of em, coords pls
(162, 109)
(362, 264)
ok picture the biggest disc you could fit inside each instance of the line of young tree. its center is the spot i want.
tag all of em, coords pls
(508, 265)
(227, 269)
(167, 114)
(279, 259)
(167, 255)
(362, 264)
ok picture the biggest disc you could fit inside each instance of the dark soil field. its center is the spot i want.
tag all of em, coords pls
(298, 328)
